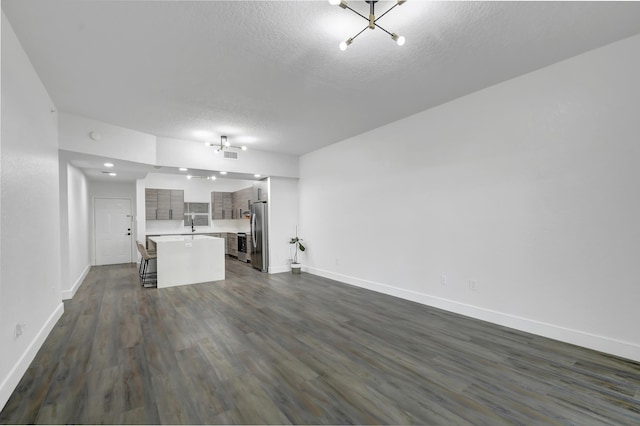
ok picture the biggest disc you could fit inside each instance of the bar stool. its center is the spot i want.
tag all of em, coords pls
(144, 264)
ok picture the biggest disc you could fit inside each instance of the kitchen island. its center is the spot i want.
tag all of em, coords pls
(189, 259)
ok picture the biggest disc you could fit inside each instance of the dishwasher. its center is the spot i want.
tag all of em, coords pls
(242, 246)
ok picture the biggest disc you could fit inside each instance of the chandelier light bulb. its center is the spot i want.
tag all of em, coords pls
(398, 39)
(244, 148)
(345, 44)
(372, 20)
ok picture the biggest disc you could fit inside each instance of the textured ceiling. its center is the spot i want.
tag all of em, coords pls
(270, 75)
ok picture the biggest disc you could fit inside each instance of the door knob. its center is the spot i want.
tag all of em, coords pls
(129, 233)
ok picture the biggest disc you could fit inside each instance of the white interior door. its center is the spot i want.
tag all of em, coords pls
(113, 230)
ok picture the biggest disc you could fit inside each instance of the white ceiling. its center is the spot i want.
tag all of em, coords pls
(270, 75)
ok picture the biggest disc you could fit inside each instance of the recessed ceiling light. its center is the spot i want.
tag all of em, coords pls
(113, 174)
(108, 164)
(182, 169)
(256, 175)
(223, 173)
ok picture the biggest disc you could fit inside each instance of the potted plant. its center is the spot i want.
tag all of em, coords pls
(297, 242)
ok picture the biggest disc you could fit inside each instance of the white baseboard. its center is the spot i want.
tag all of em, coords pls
(576, 337)
(68, 294)
(10, 382)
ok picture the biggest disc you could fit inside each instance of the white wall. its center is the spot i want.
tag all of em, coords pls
(115, 142)
(30, 221)
(283, 218)
(195, 155)
(101, 189)
(130, 145)
(74, 228)
(528, 188)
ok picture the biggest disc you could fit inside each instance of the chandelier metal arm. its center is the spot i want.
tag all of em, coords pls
(390, 9)
(354, 37)
(372, 20)
(357, 13)
(383, 30)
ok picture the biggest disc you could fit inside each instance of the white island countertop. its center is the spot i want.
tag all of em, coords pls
(187, 231)
(189, 259)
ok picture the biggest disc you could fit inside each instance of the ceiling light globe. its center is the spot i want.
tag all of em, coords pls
(334, 2)
(244, 148)
(227, 144)
(343, 46)
(401, 41)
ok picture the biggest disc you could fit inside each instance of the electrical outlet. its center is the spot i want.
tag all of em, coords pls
(473, 285)
(443, 279)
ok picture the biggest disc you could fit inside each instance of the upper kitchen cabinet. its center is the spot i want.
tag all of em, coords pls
(151, 203)
(221, 205)
(260, 191)
(242, 203)
(164, 204)
(177, 204)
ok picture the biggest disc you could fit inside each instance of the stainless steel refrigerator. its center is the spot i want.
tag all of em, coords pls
(259, 241)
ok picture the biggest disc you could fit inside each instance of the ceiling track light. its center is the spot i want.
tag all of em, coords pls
(224, 144)
(372, 21)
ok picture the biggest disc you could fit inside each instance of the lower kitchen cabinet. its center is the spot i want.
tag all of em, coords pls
(232, 244)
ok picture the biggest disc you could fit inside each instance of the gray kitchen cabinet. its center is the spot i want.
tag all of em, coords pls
(242, 203)
(164, 204)
(151, 203)
(221, 205)
(176, 209)
(260, 191)
(232, 244)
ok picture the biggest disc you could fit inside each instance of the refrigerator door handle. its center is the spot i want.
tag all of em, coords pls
(253, 231)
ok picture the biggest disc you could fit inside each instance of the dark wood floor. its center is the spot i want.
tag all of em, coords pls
(302, 349)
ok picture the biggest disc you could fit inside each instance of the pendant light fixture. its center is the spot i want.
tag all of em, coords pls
(373, 21)
(224, 144)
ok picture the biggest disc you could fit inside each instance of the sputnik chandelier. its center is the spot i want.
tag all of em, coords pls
(373, 21)
(224, 144)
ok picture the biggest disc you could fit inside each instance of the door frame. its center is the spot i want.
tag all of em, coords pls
(132, 257)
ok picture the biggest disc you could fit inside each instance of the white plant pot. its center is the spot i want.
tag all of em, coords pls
(296, 268)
